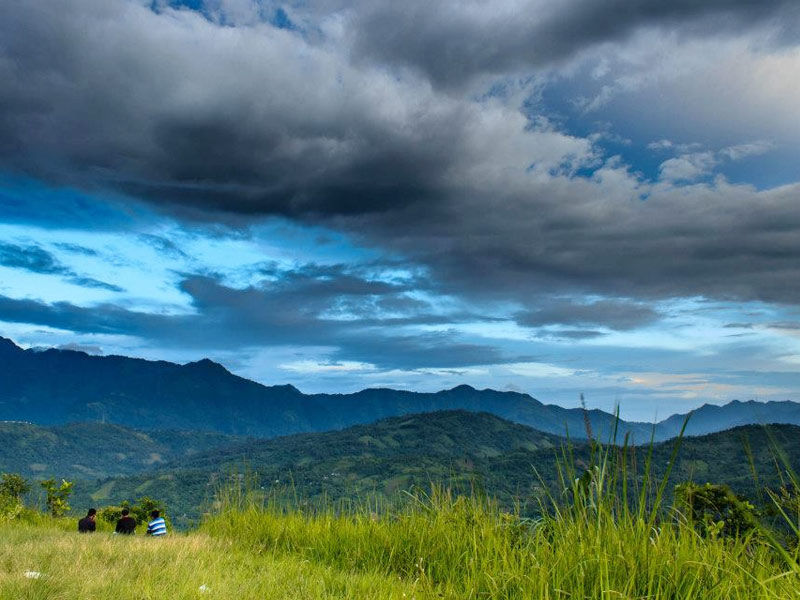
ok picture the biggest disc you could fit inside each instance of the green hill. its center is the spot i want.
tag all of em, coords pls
(96, 450)
(462, 450)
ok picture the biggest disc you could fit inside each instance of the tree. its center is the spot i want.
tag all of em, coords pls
(14, 486)
(57, 496)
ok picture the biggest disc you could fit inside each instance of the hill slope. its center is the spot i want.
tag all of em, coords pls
(460, 449)
(96, 450)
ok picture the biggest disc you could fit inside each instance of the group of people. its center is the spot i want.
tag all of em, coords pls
(126, 524)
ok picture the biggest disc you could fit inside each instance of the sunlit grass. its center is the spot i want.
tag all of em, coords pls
(467, 548)
(603, 534)
(102, 566)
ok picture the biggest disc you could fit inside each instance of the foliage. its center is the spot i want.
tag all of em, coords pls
(144, 506)
(606, 532)
(786, 506)
(95, 450)
(467, 547)
(715, 510)
(14, 485)
(463, 451)
(57, 500)
(140, 510)
(112, 514)
(10, 507)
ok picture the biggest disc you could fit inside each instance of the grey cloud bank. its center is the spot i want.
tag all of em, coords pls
(416, 130)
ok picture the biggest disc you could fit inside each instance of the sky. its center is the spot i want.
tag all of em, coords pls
(548, 196)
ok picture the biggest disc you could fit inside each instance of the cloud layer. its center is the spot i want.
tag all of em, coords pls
(554, 166)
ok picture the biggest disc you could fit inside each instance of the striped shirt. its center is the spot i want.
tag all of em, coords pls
(157, 527)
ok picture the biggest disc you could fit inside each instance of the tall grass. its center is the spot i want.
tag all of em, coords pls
(606, 535)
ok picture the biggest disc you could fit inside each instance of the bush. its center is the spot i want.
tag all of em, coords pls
(715, 510)
(14, 485)
(144, 506)
(140, 510)
(10, 507)
(112, 514)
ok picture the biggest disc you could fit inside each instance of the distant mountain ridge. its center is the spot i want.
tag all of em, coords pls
(711, 418)
(52, 387)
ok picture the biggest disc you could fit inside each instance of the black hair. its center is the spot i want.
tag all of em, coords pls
(92, 512)
(125, 512)
(155, 514)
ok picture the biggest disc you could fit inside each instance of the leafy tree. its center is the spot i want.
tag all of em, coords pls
(57, 496)
(13, 485)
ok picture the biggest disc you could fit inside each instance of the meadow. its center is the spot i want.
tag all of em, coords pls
(441, 547)
(605, 537)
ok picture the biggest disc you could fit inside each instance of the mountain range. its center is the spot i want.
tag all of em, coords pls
(55, 387)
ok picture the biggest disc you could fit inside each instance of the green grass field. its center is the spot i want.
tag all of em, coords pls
(103, 566)
(438, 547)
(606, 536)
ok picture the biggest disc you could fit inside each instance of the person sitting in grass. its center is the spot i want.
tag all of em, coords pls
(157, 526)
(126, 523)
(87, 524)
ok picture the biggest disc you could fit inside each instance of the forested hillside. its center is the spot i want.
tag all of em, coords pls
(461, 450)
(95, 450)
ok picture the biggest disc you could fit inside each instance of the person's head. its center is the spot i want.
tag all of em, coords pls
(154, 514)
(125, 512)
(92, 512)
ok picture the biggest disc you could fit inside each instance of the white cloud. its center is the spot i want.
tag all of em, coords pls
(312, 366)
(740, 151)
(687, 167)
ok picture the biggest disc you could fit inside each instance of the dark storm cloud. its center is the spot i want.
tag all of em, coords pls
(160, 113)
(452, 41)
(723, 242)
(616, 315)
(288, 312)
(238, 123)
(38, 260)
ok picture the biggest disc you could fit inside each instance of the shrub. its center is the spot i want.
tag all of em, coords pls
(715, 510)
(14, 485)
(10, 507)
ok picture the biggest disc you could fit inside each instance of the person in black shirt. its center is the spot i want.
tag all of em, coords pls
(87, 524)
(126, 523)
